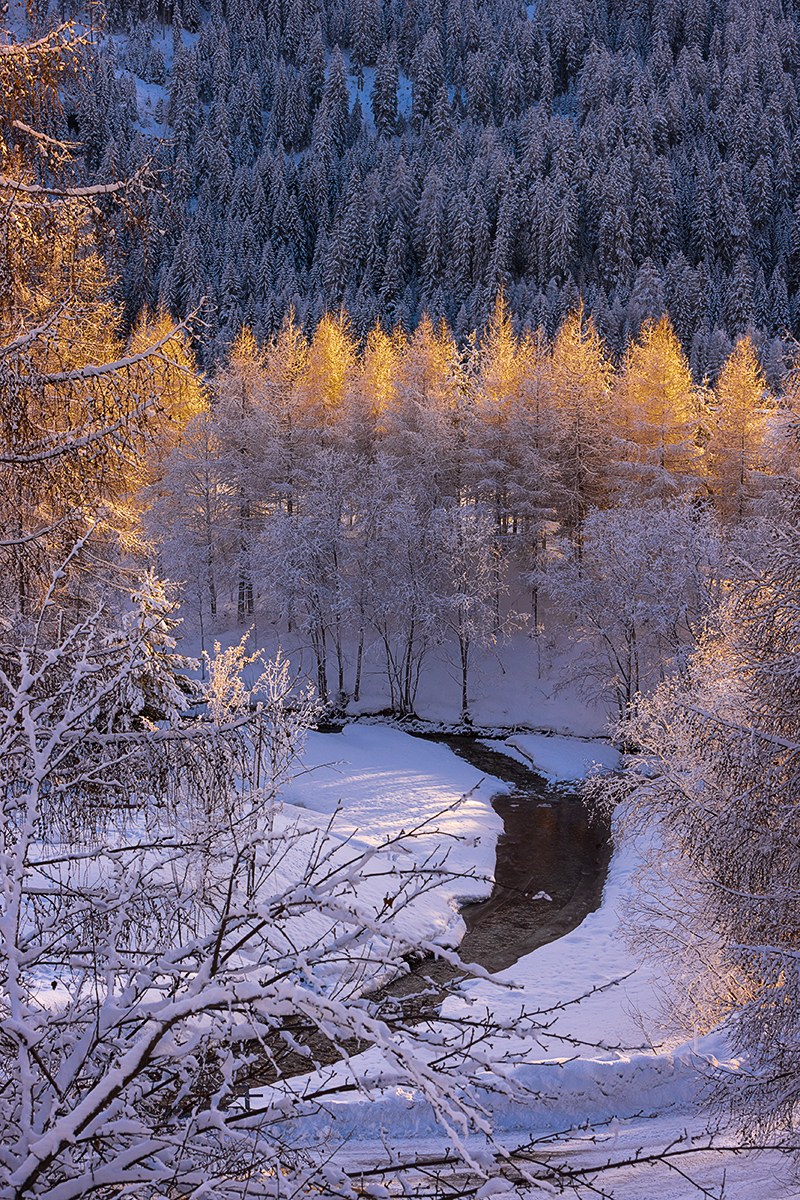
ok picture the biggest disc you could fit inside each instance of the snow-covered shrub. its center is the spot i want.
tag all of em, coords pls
(166, 935)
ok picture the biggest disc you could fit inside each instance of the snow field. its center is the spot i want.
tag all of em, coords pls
(375, 782)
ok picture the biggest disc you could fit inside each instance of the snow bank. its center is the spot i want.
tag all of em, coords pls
(560, 759)
(374, 782)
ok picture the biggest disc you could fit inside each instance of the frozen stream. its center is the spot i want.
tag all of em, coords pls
(549, 844)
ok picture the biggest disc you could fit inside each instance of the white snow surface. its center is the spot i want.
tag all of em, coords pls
(560, 759)
(375, 782)
(612, 1085)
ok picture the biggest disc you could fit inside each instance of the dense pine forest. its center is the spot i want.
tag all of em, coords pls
(407, 158)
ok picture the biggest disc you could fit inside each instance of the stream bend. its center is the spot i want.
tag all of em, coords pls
(549, 844)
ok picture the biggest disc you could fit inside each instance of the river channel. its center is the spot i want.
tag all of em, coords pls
(550, 844)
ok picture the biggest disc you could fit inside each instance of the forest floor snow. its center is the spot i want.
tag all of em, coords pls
(618, 1088)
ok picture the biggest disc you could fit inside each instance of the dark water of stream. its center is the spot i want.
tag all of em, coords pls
(549, 844)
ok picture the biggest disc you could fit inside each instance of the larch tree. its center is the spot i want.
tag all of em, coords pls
(496, 455)
(370, 390)
(580, 379)
(305, 561)
(736, 448)
(469, 584)
(639, 586)
(330, 363)
(190, 520)
(374, 488)
(656, 415)
(404, 611)
(284, 364)
(424, 422)
(79, 401)
(533, 431)
(502, 367)
(240, 422)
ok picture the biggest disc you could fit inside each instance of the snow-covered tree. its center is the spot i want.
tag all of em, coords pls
(639, 586)
(240, 430)
(716, 788)
(424, 420)
(304, 560)
(165, 933)
(580, 388)
(736, 449)
(656, 414)
(403, 611)
(80, 402)
(470, 583)
(503, 366)
(190, 519)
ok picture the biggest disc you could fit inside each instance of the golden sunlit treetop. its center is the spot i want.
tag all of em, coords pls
(657, 412)
(736, 449)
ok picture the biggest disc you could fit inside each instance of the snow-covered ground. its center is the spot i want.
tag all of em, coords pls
(379, 781)
(616, 1088)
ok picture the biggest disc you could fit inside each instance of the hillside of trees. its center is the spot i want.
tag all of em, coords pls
(403, 158)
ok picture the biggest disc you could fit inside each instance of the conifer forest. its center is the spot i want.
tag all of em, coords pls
(399, 599)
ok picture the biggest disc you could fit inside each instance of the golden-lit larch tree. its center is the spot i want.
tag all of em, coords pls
(370, 390)
(502, 366)
(284, 365)
(423, 424)
(736, 449)
(78, 402)
(241, 420)
(189, 517)
(656, 415)
(533, 429)
(581, 374)
(330, 364)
